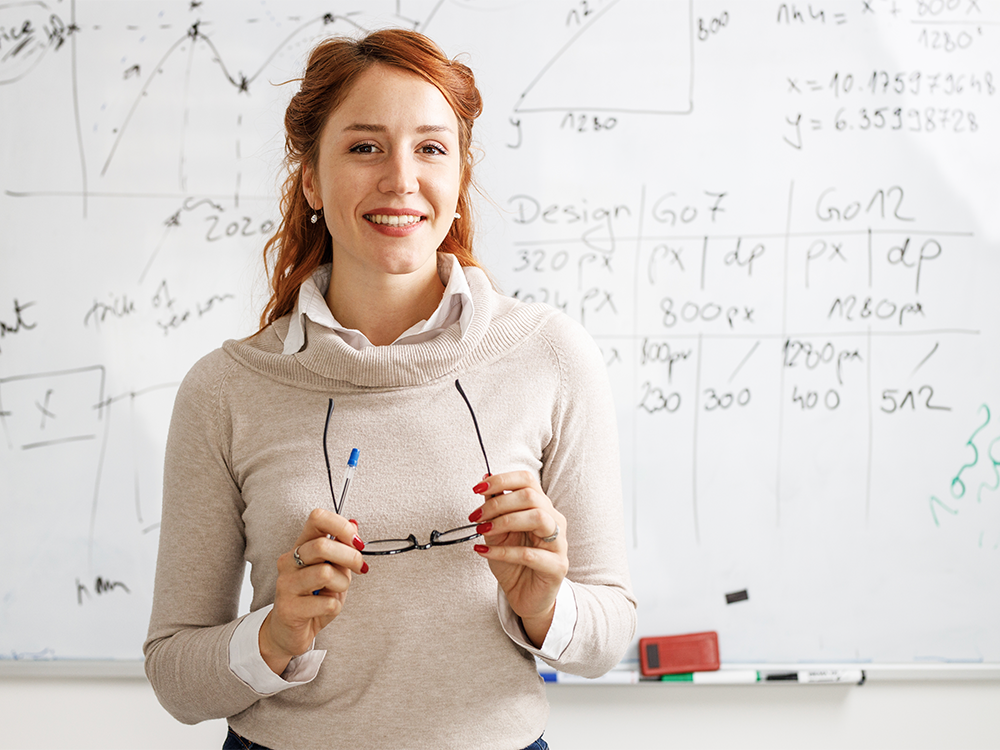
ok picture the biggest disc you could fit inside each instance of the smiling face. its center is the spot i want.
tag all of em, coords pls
(387, 175)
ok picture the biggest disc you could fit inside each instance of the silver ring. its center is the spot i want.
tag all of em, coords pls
(298, 560)
(553, 537)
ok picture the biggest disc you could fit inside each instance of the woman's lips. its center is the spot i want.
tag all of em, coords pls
(395, 222)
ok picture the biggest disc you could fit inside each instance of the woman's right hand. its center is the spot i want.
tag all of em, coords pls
(330, 551)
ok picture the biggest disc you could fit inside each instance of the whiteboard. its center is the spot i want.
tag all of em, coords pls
(778, 220)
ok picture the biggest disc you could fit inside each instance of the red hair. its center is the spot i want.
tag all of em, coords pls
(299, 247)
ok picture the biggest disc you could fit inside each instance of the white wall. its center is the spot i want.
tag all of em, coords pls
(110, 713)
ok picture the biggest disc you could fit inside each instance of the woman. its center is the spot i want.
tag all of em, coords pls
(382, 334)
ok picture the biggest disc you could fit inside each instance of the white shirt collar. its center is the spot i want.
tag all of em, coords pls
(455, 306)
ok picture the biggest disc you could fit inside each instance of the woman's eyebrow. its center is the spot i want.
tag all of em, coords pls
(362, 127)
(435, 129)
(365, 128)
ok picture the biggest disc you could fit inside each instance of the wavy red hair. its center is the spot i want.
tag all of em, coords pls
(299, 247)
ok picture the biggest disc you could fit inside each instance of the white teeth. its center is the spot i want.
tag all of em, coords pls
(393, 221)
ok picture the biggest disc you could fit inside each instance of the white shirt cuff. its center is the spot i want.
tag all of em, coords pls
(246, 662)
(560, 632)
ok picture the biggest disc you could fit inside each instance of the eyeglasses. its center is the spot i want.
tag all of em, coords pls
(438, 538)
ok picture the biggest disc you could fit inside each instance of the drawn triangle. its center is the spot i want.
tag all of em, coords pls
(597, 70)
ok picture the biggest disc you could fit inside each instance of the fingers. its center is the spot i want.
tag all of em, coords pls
(546, 563)
(326, 523)
(494, 484)
(516, 504)
(326, 553)
(332, 578)
(319, 554)
(325, 549)
(543, 527)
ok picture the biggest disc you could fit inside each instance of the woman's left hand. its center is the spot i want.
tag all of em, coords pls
(515, 521)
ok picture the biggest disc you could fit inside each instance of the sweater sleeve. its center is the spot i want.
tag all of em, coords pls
(200, 563)
(581, 474)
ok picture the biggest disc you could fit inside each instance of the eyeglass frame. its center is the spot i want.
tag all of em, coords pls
(411, 539)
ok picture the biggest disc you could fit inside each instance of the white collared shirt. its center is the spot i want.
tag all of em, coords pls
(456, 305)
(245, 659)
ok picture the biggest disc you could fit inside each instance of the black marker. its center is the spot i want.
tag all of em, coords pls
(820, 676)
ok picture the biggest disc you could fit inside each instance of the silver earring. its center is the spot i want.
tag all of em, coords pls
(458, 215)
(316, 214)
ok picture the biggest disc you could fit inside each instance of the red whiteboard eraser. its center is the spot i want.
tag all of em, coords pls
(676, 654)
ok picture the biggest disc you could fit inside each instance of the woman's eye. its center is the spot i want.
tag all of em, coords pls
(364, 148)
(433, 148)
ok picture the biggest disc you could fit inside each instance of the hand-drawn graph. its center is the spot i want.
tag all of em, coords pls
(171, 76)
(592, 73)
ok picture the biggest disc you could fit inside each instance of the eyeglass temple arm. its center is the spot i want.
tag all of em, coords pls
(475, 423)
(326, 456)
(326, 452)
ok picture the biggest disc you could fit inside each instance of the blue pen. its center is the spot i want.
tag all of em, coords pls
(352, 464)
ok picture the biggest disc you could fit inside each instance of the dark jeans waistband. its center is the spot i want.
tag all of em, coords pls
(235, 742)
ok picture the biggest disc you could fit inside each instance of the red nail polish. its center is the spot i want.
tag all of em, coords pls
(364, 567)
(358, 543)
(484, 528)
(481, 548)
(476, 515)
(354, 522)
(480, 488)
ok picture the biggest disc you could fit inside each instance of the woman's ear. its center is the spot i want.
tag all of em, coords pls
(310, 187)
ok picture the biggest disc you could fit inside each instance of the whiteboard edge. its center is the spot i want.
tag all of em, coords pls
(133, 669)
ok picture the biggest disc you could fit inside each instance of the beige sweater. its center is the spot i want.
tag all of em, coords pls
(418, 657)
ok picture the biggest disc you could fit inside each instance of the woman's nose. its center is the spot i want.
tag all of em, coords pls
(400, 175)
